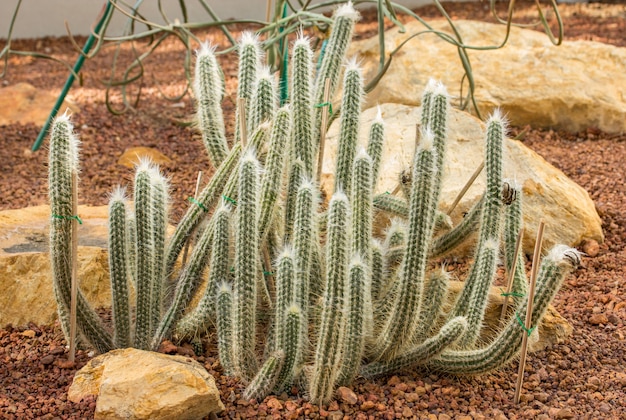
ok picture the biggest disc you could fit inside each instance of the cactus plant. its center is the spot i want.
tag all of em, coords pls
(347, 300)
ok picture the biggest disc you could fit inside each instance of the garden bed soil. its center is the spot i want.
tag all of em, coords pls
(581, 378)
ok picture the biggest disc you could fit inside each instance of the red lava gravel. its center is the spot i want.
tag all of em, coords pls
(581, 378)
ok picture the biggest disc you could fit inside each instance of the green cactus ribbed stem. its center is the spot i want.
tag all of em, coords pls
(224, 326)
(434, 296)
(378, 268)
(349, 126)
(302, 104)
(132, 247)
(398, 327)
(159, 203)
(359, 320)
(246, 267)
(63, 162)
(209, 89)
(469, 224)
(420, 354)
(263, 382)
(200, 318)
(375, 145)
(361, 201)
(438, 118)
(296, 175)
(145, 247)
(442, 221)
(331, 328)
(274, 168)
(555, 266)
(118, 268)
(289, 339)
(344, 19)
(207, 197)
(513, 222)
(250, 55)
(285, 288)
(186, 285)
(427, 97)
(486, 266)
(391, 204)
(264, 99)
(394, 249)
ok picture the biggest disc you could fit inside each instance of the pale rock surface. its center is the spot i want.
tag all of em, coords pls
(23, 103)
(566, 207)
(131, 156)
(137, 384)
(573, 86)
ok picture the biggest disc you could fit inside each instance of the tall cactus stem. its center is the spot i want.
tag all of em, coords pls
(264, 99)
(375, 144)
(224, 325)
(302, 103)
(290, 340)
(250, 55)
(513, 223)
(361, 201)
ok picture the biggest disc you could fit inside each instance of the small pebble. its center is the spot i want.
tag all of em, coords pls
(598, 319)
(347, 395)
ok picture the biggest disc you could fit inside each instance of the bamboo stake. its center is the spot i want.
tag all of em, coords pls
(243, 130)
(467, 186)
(529, 311)
(511, 274)
(74, 262)
(320, 157)
(268, 10)
(195, 197)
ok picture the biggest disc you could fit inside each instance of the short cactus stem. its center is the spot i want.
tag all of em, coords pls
(359, 321)
(285, 288)
(513, 222)
(394, 205)
(250, 55)
(289, 339)
(331, 329)
(375, 144)
(302, 103)
(555, 266)
(246, 267)
(349, 127)
(118, 268)
(421, 353)
(209, 89)
(454, 237)
(263, 100)
(378, 268)
(263, 382)
(224, 322)
(434, 296)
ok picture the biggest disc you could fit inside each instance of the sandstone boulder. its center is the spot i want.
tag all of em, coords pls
(137, 384)
(23, 103)
(566, 207)
(533, 81)
(130, 158)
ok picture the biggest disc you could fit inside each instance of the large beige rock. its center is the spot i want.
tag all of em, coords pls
(137, 384)
(573, 86)
(568, 211)
(131, 156)
(23, 103)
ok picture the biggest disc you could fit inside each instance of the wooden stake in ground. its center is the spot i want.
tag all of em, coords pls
(195, 197)
(243, 129)
(466, 187)
(511, 275)
(529, 311)
(74, 262)
(325, 106)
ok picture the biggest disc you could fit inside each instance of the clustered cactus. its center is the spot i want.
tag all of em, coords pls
(336, 300)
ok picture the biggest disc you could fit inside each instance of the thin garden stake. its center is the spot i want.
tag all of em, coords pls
(242, 121)
(325, 105)
(74, 287)
(467, 186)
(529, 311)
(511, 274)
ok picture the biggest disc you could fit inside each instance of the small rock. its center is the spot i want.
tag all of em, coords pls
(621, 378)
(412, 397)
(444, 417)
(407, 412)
(274, 404)
(420, 390)
(291, 406)
(367, 405)
(65, 364)
(564, 413)
(46, 360)
(605, 408)
(335, 415)
(542, 397)
(347, 395)
(393, 381)
(167, 347)
(598, 319)
(613, 319)
(526, 397)
(593, 383)
(590, 247)
(28, 333)
(57, 350)
(463, 418)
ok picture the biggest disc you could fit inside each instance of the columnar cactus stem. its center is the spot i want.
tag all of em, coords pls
(402, 320)
(375, 145)
(302, 103)
(274, 168)
(438, 119)
(132, 247)
(289, 339)
(250, 55)
(449, 240)
(285, 289)
(513, 222)
(263, 99)
(349, 128)
(331, 330)
(159, 203)
(209, 89)
(200, 318)
(263, 382)
(378, 268)
(63, 162)
(391, 204)
(434, 295)
(224, 322)
(118, 268)
(361, 201)
(246, 267)
(359, 320)
(296, 175)
(554, 267)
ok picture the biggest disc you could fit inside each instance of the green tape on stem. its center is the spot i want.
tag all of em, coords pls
(529, 331)
(328, 104)
(197, 203)
(75, 217)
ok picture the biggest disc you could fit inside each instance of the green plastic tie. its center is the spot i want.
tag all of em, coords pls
(514, 294)
(227, 198)
(75, 217)
(328, 104)
(529, 331)
(268, 273)
(197, 203)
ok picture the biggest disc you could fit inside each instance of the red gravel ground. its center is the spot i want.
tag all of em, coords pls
(582, 378)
